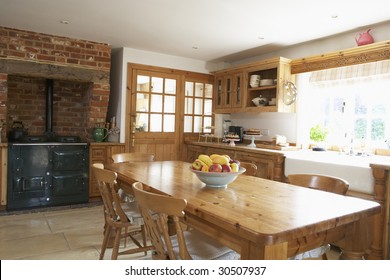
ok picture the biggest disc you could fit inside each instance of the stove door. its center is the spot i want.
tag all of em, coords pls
(69, 157)
(28, 176)
(70, 169)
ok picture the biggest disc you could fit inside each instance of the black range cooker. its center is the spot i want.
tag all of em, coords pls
(47, 171)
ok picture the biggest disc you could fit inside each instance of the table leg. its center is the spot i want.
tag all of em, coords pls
(357, 241)
(249, 251)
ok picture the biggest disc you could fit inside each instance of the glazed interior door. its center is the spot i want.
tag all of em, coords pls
(154, 122)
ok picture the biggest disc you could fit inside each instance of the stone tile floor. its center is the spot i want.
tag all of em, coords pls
(61, 233)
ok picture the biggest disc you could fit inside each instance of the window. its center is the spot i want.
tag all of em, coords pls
(351, 102)
(156, 103)
(198, 107)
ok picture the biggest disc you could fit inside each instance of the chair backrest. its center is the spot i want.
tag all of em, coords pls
(320, 182)
(106, 180)
(251, 168)
(161, 206)
(132, 157)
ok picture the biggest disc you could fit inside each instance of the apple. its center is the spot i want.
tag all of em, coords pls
(226, 168)
(197, 165)
(205, 168)
(215, 167)
(236, 161)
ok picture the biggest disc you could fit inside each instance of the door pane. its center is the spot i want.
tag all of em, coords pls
(170, 86)
(169, 104)
(208, 92)
(198, 106)
(157, 84)
(156, 104)
(141, 123)
(207, 125)
(155, 123)
(197, 124)
(188, 124)
(199, 89)
(143, 83)
(208, 107)
(188, 107)
(142, 102)
(189, 89)
(169, 123)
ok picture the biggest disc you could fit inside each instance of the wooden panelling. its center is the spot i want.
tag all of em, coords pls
(358, 55)
(101, 153)
(3, 175)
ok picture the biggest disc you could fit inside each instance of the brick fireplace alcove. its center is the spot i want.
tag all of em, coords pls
(80, 70)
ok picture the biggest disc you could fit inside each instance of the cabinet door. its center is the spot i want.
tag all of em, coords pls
(101, 153)
(227, 91)
(218, 93)
(237, 90)
(97, 155)
(264, 164)
(3, 175)
(194, 151)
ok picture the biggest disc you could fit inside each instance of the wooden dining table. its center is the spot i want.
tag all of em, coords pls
(259, 218)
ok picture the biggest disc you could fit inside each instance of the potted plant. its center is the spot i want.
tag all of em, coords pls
(318, 135)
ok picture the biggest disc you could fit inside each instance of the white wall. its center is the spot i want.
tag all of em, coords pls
(286, 124)
(380, 32)
(283, 124)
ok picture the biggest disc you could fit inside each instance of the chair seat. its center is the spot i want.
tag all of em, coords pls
(202, 247)
(312, 254)
(132, 212)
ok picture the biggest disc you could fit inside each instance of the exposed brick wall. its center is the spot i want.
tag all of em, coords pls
(26, 45)
(27, 102)
(40, 50)
(3, 102)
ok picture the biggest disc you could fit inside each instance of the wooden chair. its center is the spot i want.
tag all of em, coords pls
(116, 219)
(251, 168)
(132, 157)
(320, 182)
(324, 183)
(185, 245)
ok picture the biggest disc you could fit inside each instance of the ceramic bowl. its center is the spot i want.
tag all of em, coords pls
(217, 179)
(266, 82)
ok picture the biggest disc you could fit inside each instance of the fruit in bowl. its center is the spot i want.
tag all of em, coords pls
(216, 170)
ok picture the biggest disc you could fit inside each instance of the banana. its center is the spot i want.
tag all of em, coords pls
(206, 159)
(214, 156)
(222, 160)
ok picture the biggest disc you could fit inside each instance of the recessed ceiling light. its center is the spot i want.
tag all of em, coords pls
(260, 38)
(195, 47)
(334, 16)
(64, 21)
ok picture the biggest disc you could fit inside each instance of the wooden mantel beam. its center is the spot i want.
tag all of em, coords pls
(358, 55)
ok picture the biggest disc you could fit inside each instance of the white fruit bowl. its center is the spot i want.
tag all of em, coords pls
(217, 179)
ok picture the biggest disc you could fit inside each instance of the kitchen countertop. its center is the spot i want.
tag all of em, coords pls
(355, 169)
(237, 147)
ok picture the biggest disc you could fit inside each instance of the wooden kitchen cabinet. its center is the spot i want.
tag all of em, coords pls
(101, 153)
(193, 152)
(229, 91)
(233, 92)
(277, 70)
(270, 165)
(3, 175)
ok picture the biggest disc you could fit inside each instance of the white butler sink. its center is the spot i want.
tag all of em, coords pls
(355, 169)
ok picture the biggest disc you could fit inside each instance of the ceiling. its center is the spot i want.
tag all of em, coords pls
(207, 30)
